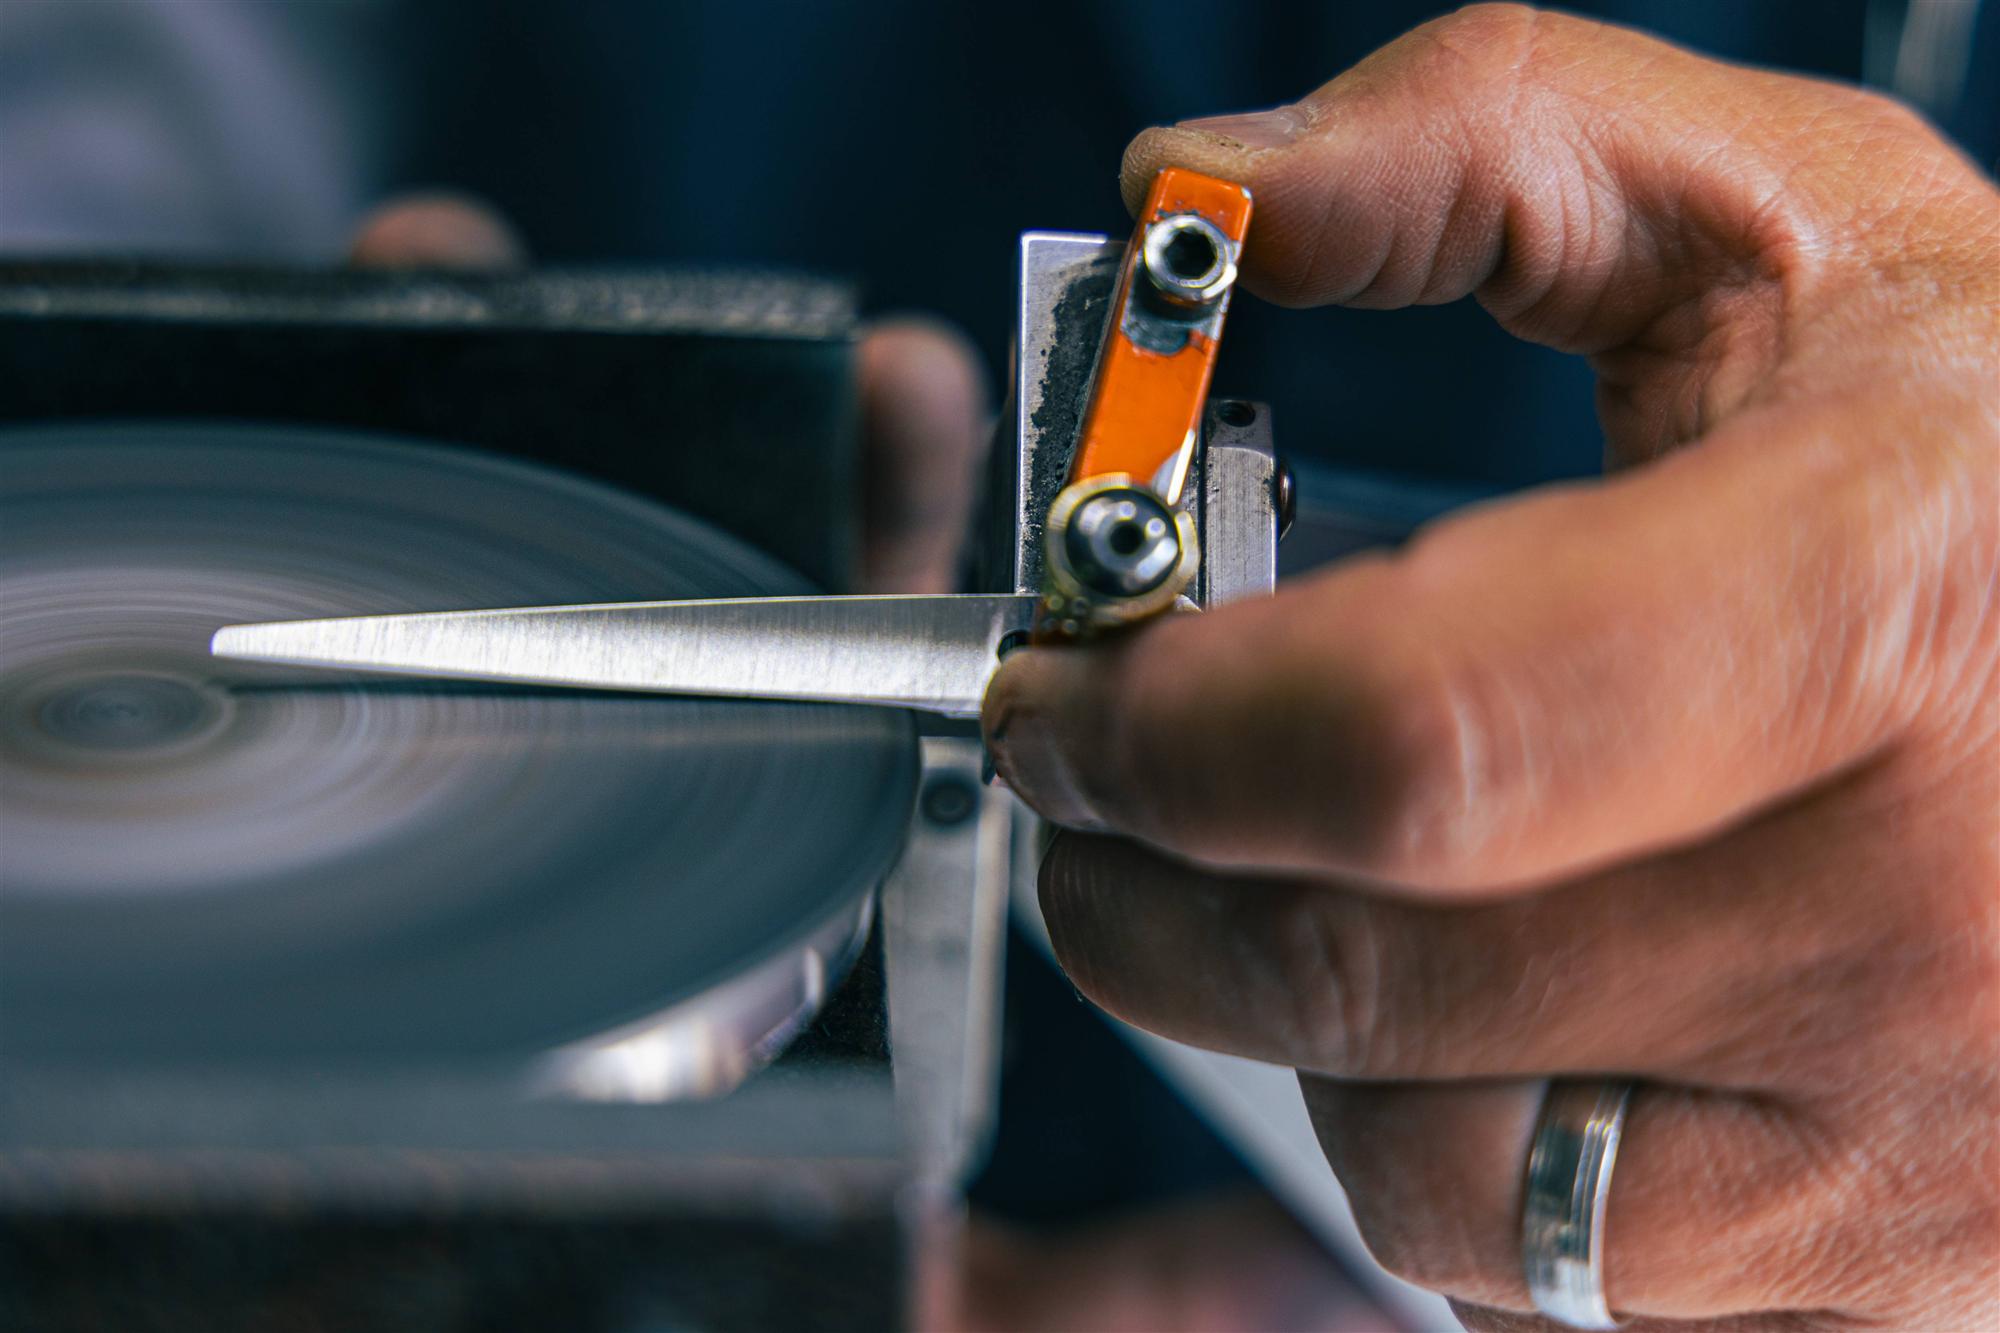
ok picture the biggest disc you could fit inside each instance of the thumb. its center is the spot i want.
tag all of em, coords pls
(1599, 191)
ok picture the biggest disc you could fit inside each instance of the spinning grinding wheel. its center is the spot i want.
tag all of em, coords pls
(211, 860)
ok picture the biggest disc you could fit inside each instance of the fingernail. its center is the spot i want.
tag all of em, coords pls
(1254, 129)
(1023, 724)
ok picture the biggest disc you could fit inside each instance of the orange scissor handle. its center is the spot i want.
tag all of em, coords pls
(1120, 540)
(1159, 351)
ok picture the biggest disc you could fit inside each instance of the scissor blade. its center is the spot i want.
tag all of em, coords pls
(930, 653)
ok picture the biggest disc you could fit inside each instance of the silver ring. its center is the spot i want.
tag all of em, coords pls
(1562, 1216)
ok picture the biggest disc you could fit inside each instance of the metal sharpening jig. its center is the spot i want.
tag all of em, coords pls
(1109, 485)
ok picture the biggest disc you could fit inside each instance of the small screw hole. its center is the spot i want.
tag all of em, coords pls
(1236, 412)
(950, 800)
(1190, 256)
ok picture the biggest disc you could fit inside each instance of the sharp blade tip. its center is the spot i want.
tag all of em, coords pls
(239, 641)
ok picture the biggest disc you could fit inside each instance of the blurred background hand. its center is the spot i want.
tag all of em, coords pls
(924, 415)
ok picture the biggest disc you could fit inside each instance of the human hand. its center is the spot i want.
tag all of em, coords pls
(1688, 776)
(923, 396)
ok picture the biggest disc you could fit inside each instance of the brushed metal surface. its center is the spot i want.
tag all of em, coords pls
(932, 653)
(1064, 282)
(1239, 515)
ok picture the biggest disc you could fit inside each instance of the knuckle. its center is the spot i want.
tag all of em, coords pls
(1485, 36)
(1415, 1207)
(1883, 114)
(1935, 972)
(1423, 761)
(1336, 975)
(1484, 52)
(1423, 1248)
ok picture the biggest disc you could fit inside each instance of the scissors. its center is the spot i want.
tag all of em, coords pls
(1159, 500)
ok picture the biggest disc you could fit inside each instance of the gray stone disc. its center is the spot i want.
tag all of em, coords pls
(204, 860)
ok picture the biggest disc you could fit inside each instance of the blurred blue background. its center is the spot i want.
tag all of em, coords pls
(902, 142)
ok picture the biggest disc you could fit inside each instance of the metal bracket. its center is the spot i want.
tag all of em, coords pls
(1066, 284)
(944, 925)
(1238, 518)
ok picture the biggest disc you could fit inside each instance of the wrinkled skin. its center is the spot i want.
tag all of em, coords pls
(1689, 775)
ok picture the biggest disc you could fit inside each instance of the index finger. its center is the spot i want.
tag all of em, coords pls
(1531, 689)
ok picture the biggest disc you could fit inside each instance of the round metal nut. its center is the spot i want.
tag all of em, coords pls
(1188, 260)
(1115, 553)
(1122, 543)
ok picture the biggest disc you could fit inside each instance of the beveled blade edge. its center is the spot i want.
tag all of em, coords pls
(933, 653)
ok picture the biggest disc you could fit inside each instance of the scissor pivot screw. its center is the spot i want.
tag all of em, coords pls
(1122, 542)
(1189, 261)
(1116, 553)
